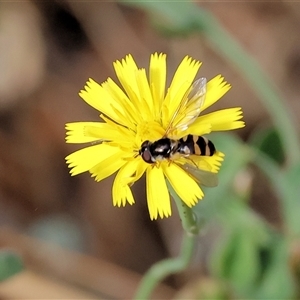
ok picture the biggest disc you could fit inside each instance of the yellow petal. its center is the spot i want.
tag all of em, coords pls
(196, 129)
(182, 81)
(121, 191)
(158, 198)
(85, 159)
(141, 167)
(225, 119)
(126, 72)
(170, 108)
(135, 83)
(186, 71)
(185, 187)
(157, 80)
(127, 175)
(209, 163)
(99, 98)
(84, 132)
(117, 93)
(122, 195)
(145, 95)
(109, 165)
(216, 88)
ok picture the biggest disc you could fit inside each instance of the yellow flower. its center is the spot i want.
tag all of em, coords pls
(142, 110)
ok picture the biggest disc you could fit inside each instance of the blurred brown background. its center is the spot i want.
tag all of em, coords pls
(48, 50)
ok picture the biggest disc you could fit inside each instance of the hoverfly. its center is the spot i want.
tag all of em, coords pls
(169, 148)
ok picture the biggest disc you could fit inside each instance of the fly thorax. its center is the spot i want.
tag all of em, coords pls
(174, 146)
(162, 148)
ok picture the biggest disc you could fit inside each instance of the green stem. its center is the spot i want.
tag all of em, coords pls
(164, 268)
(187, 216)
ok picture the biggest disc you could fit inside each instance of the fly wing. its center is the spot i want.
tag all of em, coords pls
(98, 142)
(205, 178)
(189, 108)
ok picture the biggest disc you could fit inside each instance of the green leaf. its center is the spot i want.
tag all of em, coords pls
(10, 264)
(251, 256)
(291, 202)
(267, 140)
(237, 261)
(277, 282)
(237, 255)
(171, 18)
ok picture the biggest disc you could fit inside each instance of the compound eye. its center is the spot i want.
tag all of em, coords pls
(145, 152)
(146, 156)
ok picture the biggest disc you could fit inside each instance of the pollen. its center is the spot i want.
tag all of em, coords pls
(151, 131)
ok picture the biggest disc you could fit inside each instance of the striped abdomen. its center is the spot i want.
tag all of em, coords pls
(198, 145)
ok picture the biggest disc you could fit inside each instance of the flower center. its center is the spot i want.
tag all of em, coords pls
(148, 131)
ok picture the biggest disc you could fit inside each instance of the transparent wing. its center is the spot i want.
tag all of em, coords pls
(189, 108)
(203, 177)
(97, 142)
